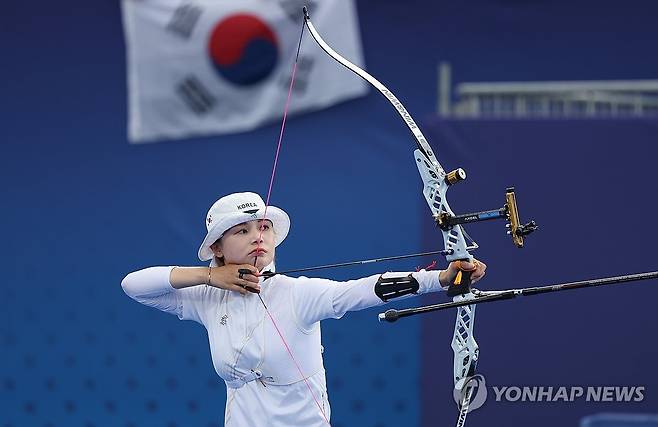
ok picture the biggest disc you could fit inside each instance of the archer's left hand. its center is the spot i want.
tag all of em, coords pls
(447, 276)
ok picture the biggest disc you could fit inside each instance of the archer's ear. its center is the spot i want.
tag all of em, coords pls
(216, 249)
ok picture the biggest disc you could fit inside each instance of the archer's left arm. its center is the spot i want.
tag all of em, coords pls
(317, 299)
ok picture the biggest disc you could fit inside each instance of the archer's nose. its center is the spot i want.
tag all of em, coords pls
(257, 237)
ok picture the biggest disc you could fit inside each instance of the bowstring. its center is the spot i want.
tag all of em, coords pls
(267, 204)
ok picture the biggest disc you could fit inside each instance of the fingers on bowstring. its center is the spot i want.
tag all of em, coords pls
(250, 285)
(253, 274)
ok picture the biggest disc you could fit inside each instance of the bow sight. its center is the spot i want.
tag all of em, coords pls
(436, 183)
(509, 212)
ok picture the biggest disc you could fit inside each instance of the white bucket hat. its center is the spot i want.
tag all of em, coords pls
(235, 209)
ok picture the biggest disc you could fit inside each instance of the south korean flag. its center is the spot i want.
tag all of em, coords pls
(211, 67)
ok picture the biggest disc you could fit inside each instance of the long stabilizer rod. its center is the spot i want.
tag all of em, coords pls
(480, 297)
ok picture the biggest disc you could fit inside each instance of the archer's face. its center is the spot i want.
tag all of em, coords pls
(247, 242)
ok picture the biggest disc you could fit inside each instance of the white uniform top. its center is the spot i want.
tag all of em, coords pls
(264, 386)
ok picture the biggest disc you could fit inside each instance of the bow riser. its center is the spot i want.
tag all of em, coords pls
(435, 188)
(463, 343)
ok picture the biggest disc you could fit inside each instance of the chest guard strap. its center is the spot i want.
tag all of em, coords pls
(388, 288)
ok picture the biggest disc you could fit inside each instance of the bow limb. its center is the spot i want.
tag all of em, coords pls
(433, 175)
(420, 139)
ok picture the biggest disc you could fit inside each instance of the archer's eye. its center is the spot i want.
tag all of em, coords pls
(265, 227)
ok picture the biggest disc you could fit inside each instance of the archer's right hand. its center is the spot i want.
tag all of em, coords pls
(230, 278)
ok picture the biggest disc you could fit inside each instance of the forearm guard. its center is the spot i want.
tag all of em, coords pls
(388, 288)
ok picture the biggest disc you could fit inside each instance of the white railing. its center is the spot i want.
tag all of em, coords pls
(624, 98)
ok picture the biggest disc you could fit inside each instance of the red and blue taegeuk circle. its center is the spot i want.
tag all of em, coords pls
(243, 49)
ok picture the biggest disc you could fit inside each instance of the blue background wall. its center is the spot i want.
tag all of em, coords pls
(590, 185)
(82, 207)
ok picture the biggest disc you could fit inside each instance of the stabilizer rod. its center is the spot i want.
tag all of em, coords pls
(479, 297)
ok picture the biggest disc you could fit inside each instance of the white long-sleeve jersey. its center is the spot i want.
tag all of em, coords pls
(264, 385)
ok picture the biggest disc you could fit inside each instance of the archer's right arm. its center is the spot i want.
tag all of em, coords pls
(152, 287)
(171, 289)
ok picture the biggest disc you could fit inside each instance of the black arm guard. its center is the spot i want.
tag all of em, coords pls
(388, 288)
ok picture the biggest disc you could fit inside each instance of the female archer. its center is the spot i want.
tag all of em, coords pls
(263, 328)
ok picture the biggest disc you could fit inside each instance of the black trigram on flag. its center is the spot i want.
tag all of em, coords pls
(196, 95)
(184, 20)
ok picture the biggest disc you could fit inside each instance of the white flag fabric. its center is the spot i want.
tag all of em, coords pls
(209, 67)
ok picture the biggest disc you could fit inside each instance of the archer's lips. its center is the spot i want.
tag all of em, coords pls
(258, 252)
